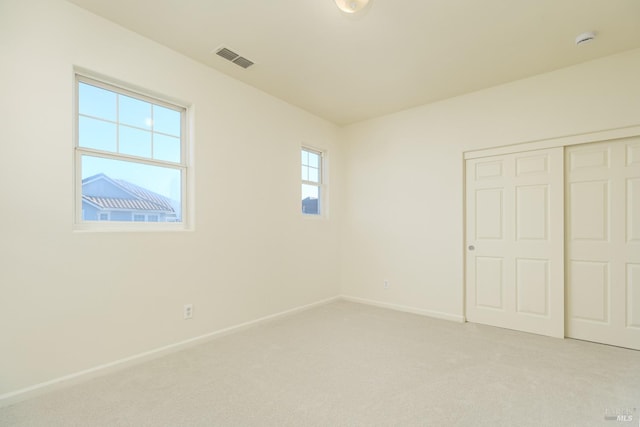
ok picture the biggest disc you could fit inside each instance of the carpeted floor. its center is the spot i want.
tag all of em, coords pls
(346, 364)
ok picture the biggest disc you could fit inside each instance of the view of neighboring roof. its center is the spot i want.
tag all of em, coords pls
(140, 198)
(122, 203)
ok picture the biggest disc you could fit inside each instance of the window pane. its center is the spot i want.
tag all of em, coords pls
(166, 120)
(124, 189)
(166, 148)
(314, 160)
(305, 173)
(313, 175)
(134, 112)
(138, 218)
(96, 134)
(97, 102)
(310, 199)
(135, 142)
(305, 157)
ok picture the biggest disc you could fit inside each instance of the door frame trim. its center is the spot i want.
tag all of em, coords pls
(562, 141)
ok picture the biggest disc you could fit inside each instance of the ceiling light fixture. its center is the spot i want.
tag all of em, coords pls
(351, 6)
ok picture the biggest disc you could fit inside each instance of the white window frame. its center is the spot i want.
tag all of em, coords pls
(100, 81)
(322, 187)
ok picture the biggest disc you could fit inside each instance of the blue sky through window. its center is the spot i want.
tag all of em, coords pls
(117, 123)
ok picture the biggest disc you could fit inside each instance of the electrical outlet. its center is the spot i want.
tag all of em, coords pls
(188, 311)
(386, 284)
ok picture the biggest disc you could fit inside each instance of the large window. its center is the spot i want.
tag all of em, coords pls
(130, 156)
(311, 181)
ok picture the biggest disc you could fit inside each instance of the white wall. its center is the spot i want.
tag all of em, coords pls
(404, 174)
(74, 300)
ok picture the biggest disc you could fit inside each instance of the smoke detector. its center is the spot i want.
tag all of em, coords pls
(585, 37)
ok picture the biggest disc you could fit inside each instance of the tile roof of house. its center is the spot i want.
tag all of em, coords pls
(145, 194)
(141, 198)
(122, 203)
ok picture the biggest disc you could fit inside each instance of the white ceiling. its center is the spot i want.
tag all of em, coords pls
(395, 56)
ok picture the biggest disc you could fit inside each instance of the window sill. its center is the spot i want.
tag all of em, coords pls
(313, 217)
(119, 227)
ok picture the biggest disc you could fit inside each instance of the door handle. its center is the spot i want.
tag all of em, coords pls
(472, 248)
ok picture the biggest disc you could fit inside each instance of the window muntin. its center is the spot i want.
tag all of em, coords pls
(114, 122)
(130, 152)
(311, 168)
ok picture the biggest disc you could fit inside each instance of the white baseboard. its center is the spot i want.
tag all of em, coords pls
(12, 397)
(407, 309)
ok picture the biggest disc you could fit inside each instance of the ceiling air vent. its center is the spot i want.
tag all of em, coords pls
(230, 55)
(243, 62)
(227, 54)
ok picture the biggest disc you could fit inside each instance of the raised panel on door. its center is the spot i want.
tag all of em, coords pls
(532, 285)
(633, 210)
(632, 153)
(532, 212)
(489, 278)
(589, 158)
(532, 164)
(633, 296)
(589, 214)
(589, 291)
(488, 170)
(489, 217)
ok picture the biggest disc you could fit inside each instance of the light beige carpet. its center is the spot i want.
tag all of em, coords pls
(346, 364)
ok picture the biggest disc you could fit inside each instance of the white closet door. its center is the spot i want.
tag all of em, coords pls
(515, 232)
(603, 242)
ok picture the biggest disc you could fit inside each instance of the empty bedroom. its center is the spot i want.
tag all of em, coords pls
(319, 213)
